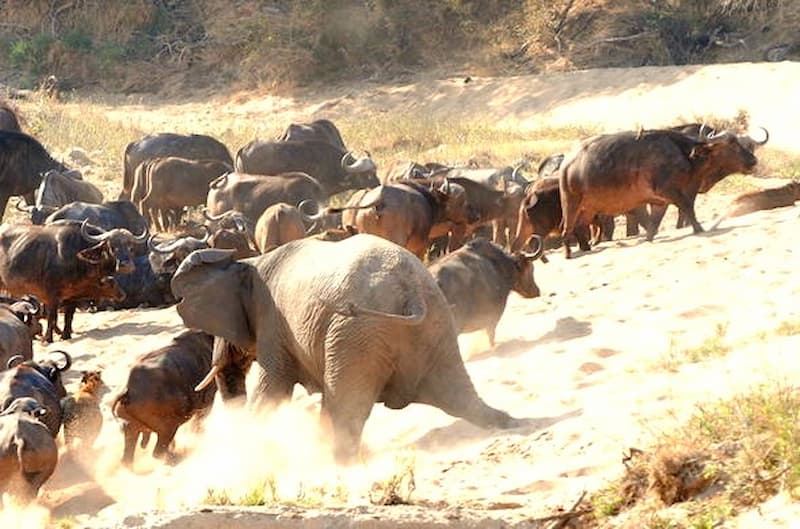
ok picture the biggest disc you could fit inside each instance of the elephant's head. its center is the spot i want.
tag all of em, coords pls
(215, 294)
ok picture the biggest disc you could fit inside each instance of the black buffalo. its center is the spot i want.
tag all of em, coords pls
(23, 160)
(477, 278)
(332, 166)
(39, 380)
(108, 215)
(318, 130)
(9, 120)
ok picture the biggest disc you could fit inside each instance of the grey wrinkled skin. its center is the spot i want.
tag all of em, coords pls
(360, 320)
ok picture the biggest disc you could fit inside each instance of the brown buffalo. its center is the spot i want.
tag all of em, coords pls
(160, 395)
(615, 173)
(279, 224)
(252, 194)
(191, 146)
(18, 326)
(170, 184)
(59, 189)
(477, 278)
(63, 264)
(408, 213)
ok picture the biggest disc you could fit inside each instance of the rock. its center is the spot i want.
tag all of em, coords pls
(79, 157)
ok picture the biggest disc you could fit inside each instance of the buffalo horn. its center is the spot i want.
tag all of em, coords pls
(142, 237)
(766, 137)
(67, 359)
(313, 217)
(14, 361)
(88, 236)
(20, 207)
(208, 216)
(358, 166)
(208, 379)
(539, 248)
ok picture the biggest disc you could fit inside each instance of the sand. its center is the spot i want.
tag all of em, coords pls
(591, 363)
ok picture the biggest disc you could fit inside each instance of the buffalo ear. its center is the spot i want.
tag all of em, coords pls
(701, 151)
(214, 296)
(94, 254)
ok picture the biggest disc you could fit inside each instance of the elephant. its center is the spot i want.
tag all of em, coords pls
(359, 320)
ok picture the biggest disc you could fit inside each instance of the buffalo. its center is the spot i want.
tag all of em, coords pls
(280, 223)
(63, 264)
(192, 146)
(28, 453)
(250, 194)
(23, 160)
(477, 278)
(18, 326)
(615, 173)
(318, 130)
(111, 215)
(59, 189)
(332, 166)
(170, 184)
(408, 213)
(9, 119)
(40, 380)
(165, 256)
(159, 395)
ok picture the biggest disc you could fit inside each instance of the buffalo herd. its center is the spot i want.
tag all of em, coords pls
(278, 280)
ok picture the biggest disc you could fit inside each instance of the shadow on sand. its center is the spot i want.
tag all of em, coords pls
(463, 432)
(567, 328)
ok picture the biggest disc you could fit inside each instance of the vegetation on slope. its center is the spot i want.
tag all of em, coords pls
(168, 45)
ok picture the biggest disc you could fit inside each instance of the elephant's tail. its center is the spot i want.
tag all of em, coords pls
(414, 313)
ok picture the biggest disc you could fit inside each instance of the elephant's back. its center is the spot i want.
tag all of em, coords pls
(363, 270)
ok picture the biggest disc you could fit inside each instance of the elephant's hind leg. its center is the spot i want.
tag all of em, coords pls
(354, 378)
(449, 388)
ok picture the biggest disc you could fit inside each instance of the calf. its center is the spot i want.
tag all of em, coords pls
(279, 224)
(28, 452)
(477, 278)
(82, 416)
(39, 380)
(159, 395)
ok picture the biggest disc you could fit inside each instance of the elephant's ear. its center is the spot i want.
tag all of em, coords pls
(214, 292)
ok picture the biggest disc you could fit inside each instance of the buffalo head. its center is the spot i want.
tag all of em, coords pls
(720, 155)
(115, 245)
(361, 172)
(524, 283)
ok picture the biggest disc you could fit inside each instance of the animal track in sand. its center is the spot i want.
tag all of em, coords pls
(605, 353)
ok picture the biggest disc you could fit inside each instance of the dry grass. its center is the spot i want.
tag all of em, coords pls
(731, 455)
(714, 346)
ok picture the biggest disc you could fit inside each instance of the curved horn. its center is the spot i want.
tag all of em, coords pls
(207, 236)
(209, 378)
(14, 361)
(208, 216)
(168, 248)
(88, 236)
(313, 217)
(539, 248)
(346, 159)
(144, 236)
(67, 359)
(359, 166)
(766, 137)
(34, 301)
(705, 131)
(20, 207)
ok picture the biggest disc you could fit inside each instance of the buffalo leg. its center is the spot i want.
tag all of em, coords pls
(163, 442)
(686, 205)
(657, 212)
(570, 206)
(52, 316)
(682, 220)
(69, 314)
(635, 218)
